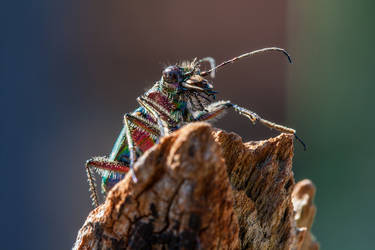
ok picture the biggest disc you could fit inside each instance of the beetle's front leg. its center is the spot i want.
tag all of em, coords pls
(215, 109)
(255, 118)
(212, 111)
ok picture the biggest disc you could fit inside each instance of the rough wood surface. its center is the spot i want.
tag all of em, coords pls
(184, 199)
(304, 212)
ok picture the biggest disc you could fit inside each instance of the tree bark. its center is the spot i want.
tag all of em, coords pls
(184, 199)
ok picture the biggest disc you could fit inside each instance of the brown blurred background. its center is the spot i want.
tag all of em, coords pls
(70, 70)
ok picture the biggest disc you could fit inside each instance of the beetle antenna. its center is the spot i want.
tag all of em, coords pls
(204, 73)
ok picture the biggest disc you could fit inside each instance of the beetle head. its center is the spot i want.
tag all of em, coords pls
(185, 77)
(188, 77)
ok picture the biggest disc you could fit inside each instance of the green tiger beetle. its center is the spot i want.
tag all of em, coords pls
(182, 95)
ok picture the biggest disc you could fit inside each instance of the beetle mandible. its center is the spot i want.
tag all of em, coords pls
(182, 95)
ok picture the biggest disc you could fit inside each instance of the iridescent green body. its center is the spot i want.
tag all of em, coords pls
(144, 130)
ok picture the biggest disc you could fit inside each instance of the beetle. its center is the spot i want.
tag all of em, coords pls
(182, 95)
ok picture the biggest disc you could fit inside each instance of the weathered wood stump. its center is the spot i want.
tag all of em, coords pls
(184, 199)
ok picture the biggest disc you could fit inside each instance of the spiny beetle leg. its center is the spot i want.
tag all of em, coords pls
(101, 163)
(155, 110)
(212, 111)
(217, 108)
(133, 156)
(255, 117)
(106, 164)
(92, 185)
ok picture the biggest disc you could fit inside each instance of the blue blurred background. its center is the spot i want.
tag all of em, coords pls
(69, 70)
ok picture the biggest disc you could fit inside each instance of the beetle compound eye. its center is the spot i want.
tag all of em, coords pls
(172, 74)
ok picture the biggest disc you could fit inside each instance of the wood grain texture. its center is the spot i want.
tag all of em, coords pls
(184, 199)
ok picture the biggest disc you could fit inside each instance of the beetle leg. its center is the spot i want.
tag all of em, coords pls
(255, 118)
(212, 111)
(144, 124)
(133, 156)
(163, 125)
(101, 163)
(92, 186)
(215, 109)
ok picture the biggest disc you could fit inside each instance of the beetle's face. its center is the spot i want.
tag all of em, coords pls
(185, 78)
(173, 75)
